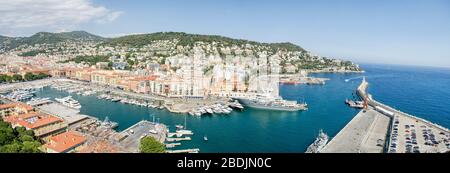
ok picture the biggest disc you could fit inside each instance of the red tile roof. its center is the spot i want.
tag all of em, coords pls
(39, 121)
(65, 141)
(11, 105)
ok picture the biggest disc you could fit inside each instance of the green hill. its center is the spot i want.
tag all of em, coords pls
(190, 39)
(49, 38)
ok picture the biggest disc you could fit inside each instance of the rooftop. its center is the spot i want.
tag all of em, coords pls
(11, 105)
(37, 121)
(65, 141)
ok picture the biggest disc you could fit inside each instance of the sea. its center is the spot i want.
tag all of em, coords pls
(420, 91)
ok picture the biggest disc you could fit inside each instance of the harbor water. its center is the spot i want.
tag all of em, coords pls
(416, 90)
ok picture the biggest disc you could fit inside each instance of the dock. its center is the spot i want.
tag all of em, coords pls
(139, 130)
(178, 139)
(172, 145)
(70, 115)
(381, 128)
(194, 150)
(365, 133)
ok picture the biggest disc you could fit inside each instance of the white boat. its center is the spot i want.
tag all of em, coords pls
(184, 132)
(209, 110)
(270, 102)
(115, 99)
(205, 138)
(218, 111)
(226, 111)
(69, 102)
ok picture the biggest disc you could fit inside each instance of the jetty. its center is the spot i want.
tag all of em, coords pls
(172, 145)
(379, 128)
(178, 139)
(194, 150)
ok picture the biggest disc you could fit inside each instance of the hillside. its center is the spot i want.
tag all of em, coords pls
(48, 38)
(185, 39)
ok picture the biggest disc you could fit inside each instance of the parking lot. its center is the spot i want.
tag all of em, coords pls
(409, 135)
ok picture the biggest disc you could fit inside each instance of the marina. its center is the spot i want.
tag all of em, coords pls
(256, 130)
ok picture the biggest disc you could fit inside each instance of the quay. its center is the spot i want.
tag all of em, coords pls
(133, 134)
(381, 128)
(365, 133)
(70, 115)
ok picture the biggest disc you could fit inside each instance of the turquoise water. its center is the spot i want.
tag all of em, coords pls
(419, 91)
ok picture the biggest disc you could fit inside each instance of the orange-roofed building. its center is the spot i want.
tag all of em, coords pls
(141, 84)
(43, 125)
(14, 109)
(65, 142)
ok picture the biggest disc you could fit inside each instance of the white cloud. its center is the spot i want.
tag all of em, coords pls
(56, 14)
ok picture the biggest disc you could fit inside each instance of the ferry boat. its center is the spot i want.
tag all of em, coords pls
(269, 102)
(318, 144)
(69, 102)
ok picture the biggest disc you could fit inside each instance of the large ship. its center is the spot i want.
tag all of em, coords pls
(269, 102)
(69, 102)
(318, 144)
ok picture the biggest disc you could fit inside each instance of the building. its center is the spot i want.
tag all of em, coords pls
(141, 84)
(66, 142)
(14, 109)
(42, 124)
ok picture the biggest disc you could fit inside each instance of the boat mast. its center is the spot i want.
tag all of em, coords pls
(185, 122)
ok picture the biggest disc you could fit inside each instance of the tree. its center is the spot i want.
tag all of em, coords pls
(29, 76)
(11, 148)
(6, 133)
(2, 78)
(150, 145)
(17, 140)
(30, 147)
(17, 78)
(8, 79)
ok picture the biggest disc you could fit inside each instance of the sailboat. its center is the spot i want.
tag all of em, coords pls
(184, 131)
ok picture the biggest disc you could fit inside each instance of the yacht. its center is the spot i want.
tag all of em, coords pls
(266, 101)
(69, 102)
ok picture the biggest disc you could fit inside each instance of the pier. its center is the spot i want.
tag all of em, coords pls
(133, 135)
(178, 139)
(194, 150)
(172, 145)
(381, 128)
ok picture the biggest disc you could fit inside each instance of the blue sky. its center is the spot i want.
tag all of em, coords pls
(413, 32)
